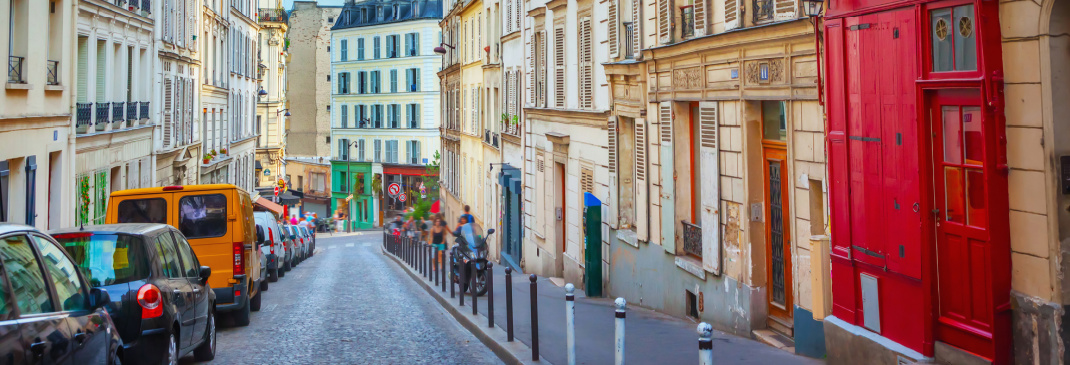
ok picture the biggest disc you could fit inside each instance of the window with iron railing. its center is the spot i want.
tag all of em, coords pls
(629, 40)
(764, 10)
(53, 72)
(14, 70)
(84, 112)
(692, 239)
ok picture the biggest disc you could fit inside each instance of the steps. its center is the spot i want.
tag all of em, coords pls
(774, 339)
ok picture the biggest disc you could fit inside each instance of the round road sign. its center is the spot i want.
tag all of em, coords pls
(402, 197)
(393, 189)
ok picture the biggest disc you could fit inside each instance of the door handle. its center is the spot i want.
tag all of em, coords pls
(80, 337)
(38, 348)
(196, 290)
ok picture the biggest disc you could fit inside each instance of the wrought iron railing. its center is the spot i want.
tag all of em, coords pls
(53, 72)
(764, 10)
(494, 140)
(692, 239)
(103, 111)
(131, 110)
(629, 40)
(146, 6)
(14, 69)
(144, 110)
(84, 113)
(272, 15)
(117, 114)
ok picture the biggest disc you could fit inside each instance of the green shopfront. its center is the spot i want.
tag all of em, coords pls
(351, 194)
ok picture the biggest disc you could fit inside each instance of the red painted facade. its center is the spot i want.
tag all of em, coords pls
(917, 166)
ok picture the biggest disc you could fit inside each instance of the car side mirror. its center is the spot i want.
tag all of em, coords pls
(205, 273)
(99, 298)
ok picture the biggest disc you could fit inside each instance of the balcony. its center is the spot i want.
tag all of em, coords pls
(131, 112)
(84, 113)
(117, 115)
(692, 239)
(103, 111)
(144, 110)
(14, 70)
(53, 72)
(272, 15)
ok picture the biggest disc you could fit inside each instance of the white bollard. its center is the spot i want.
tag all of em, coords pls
(705, 344)
(570, 323)
(619, 338)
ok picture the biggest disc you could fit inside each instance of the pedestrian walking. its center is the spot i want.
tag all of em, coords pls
(438, 237)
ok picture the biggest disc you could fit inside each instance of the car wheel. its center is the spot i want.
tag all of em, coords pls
(115, 359)
(273, 275)
(254, 303)
(241, 317)
(287, 267)
(263, 285)
(206, 351)
(172, 351)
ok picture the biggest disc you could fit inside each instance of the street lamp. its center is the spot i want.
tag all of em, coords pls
(813, 10)
(284, 110)
(262, 92)
(441, 50)
(813, 7)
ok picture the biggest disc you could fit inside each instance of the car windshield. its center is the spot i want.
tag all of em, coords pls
(106, 259)
(473, 234)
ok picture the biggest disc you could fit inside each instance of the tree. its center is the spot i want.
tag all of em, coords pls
(422, 203)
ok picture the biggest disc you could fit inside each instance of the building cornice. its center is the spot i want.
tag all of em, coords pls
(537, 12)
(553, 5)
(588, 118)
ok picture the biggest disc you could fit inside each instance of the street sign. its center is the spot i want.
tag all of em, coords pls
(282, 183)
(276, 191)
(393, 189)
(402, 197)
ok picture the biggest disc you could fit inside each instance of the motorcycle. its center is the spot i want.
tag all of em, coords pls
(470, 249)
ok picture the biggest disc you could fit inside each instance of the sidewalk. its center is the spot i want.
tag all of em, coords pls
(650, 337)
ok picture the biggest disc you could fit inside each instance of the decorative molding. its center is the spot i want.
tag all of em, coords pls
(774, 69)
(687, 78)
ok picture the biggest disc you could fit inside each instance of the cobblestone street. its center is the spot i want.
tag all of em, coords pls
(349, 305)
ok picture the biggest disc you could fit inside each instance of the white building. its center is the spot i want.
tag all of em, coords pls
(272, 56)
(385, 104)
(214, 108)
(116, 56)
(175, 93)
(244, 31)
(510, 48)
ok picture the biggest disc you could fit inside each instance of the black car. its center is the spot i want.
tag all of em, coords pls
(49, 314)
(160, 299)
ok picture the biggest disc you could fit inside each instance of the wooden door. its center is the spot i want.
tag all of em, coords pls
(963, 174)
(777, 232)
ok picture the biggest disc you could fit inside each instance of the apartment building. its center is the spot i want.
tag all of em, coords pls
(384, 106)
(114, 87)
(507, 119)
(271, 107)
(240, 135)
(177, 138)
(215, 92)
(490, 93)
(36, 145)
(309, 70)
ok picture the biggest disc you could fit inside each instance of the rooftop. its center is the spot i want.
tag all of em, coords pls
(378, 12)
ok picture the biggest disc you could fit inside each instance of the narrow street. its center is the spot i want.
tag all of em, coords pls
(349, 305)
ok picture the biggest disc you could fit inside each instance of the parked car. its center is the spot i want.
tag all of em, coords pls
(160, 299)
(273, 243)
(306, 241)
(298, 244)
(217, 220)
(291, 250)
(311, 235)
(48, 311)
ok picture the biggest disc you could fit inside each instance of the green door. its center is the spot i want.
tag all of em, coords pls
(592, 241)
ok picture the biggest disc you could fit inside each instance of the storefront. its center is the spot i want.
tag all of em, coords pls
(918, 179)
(410, 178)
(351, 194)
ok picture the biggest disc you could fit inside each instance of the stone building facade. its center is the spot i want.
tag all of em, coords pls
(271, 108)
(310, 71)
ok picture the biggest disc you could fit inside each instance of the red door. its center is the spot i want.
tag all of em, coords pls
(963, 176)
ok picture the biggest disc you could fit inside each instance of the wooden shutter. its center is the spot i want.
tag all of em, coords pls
(586, 65)
(511, 90)
(559, 68)
(508, 16)
(668, 174)
(732, 16)
(613, 28)
(168, 103)
(532, 66)
(785, 9)
(636, 22)
(191, 25)
(664, 21)
(613, 194)
(642, 199)
(711, 188)
(701, 15)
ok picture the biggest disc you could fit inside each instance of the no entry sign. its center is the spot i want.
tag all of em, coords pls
(402, 197)
(393, 189)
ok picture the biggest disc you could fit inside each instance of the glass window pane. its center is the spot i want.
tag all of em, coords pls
(143, 211)
(69, 289)
(27, 279)
(977, 215)
(774, 121)
(165, 251)
(189, 260)
(952, 134)
(941, 29)
(107, 259)
(965, 42)
(955, 208)
(972, 138)
(202, 216)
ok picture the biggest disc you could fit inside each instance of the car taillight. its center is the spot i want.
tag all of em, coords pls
(148, 297)
(271, 234)
(72, 235)
(239, 258)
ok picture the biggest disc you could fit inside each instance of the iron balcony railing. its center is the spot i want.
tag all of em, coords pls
(144, 110)
(131, 110)
(629, 41)
(53, 72)
(103, 111)
(692, 239)
(272, 15)
(146, 6)
(14, 69)
(117, 114)
(764, 10)
(85, 117)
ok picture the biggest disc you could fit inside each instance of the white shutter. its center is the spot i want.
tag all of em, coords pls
(711, 189)
(614, 22)
(613, 194)
(642, 199)
(168, 104)
(509, 16)
(636, 22)
(531, 70)
(701, 13)
(668, 177)
(540, 69)
(559, 68)
(664, 21)
(586, 65)
(785, 9)
(732, 16)
(545, 195)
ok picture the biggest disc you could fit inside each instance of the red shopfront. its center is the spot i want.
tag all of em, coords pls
(917, 163)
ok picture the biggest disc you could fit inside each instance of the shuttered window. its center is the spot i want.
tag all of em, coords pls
(731, 14)
(612, 144)
(701, 11)
(508, 16)
(559, 67)
(345, 116)
(540, 68)
(378, 150)
(613, 27)
(664, 21)
(360, 49)
(531, 89)
(345, 50)
(168, 104)
(636, 23)
(586, 66)
(785, 9)
(393, 81)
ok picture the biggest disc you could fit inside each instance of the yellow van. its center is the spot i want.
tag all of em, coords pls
(217, 220)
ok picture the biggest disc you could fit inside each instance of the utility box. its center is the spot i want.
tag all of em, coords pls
(820, 277)
(592, 245)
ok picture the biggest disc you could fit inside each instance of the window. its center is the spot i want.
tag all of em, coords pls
(375, 82)
(377, 116)
(189, 260)
(394, 115)
(318, 182)
(343, 83)
(412, 76)
(360, 49)
(31, 189)
(168, 256)
(393, 81)
(413, 113)
(413, 148)
(687, 17)
(392, 151)
(362, 79)
(24, 273)
(378, 150)
(342, 185)
(392, 45)
(152, 210)
(360, 150)
(107, 259)
(412, 44)
(774, 121)
(343, 149)
(345, 50)
(954, 47)
(201, 216)
(360, 116)
(375, 47)
(345, 116)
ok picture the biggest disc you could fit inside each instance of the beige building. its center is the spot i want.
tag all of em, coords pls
(214, 109)
(37, 153)
(114, 127)
(271, 112)
(241, 104)
(310, 71)
(176, 94)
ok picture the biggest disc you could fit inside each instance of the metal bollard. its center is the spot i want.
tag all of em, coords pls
(490, 295)
(570, 323)
(534, 319)
(442, 268)
(434, 265)
(472, 289)
(509, 302)
(460, 282)
(423, 259)
(451, 274)
(619, 336)
(705, 344)
(428, 256)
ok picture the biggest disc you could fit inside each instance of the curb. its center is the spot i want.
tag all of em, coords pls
(495, 338)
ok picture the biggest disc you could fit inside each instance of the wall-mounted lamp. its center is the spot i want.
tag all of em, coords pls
(441, 50)
(813, 7)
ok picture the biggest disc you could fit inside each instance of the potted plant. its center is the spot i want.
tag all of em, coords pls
(223, 151)
(206, 159)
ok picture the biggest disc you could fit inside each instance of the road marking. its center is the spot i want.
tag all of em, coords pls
(271, 307)
(349, 245)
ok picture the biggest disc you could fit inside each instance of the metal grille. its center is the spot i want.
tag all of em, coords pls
(85, 117)
(131, 110)
(763, 10)
(103, 110)
(144, 110)
(776, 227)
(692, 239)
(53, 72)
(14, 69)
(117, 113)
